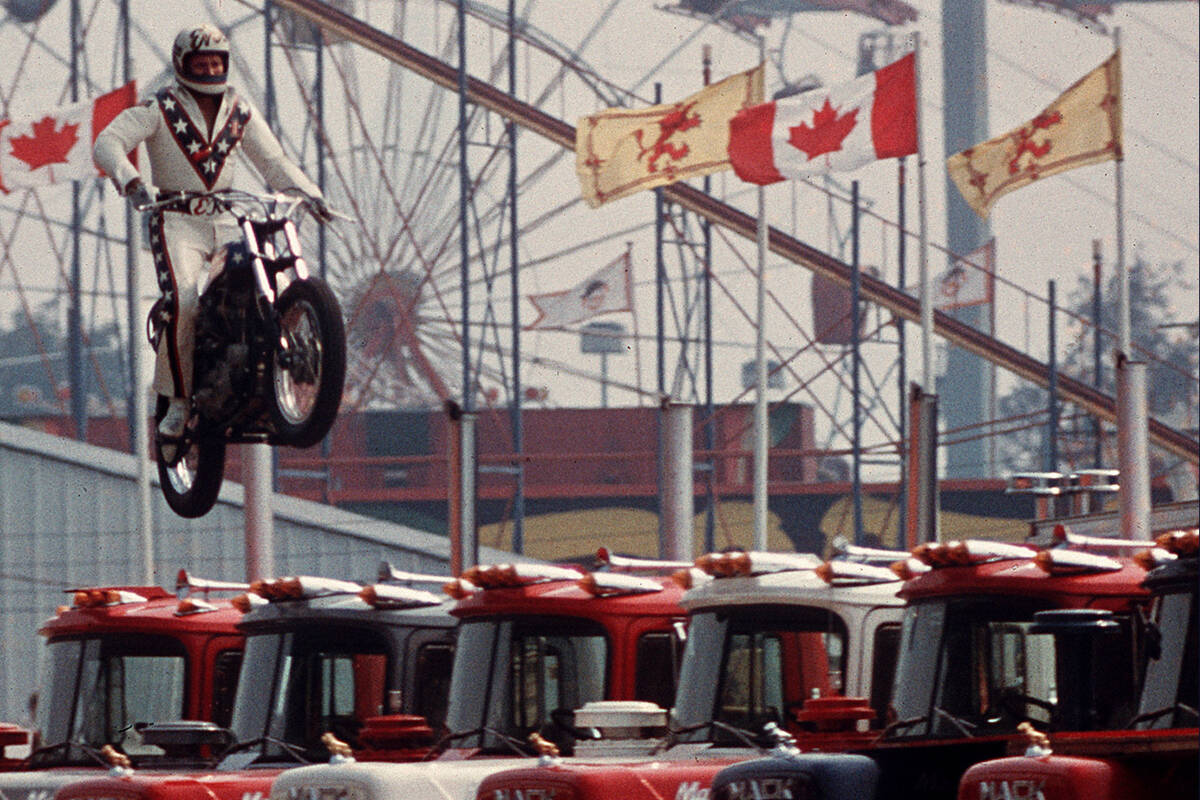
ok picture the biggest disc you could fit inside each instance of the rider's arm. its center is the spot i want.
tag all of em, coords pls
(122, 136)
(263, 150)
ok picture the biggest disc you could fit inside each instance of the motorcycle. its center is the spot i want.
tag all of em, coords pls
(270, 349)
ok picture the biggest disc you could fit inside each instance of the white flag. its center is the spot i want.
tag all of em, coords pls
(608, 289)
(968, 281)
(55, 146)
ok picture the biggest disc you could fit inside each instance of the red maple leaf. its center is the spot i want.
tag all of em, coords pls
(826, 134)
(48, 145)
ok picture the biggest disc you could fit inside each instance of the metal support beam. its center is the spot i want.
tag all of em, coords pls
(518, 427)
(1051, 462)
(467, 531)
(677, 487)
(77, 378)
(1134, 451)
(856, 329)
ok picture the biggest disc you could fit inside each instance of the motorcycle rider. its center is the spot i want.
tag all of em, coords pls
(192, 131)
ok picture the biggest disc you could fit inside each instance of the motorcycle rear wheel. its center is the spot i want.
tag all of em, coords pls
(309, 369)
(191, 484)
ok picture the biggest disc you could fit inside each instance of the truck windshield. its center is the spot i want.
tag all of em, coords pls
(970, 666)
(518, 676)
(771, 660)
(298, 685)
(96, 689)
(1169, 693)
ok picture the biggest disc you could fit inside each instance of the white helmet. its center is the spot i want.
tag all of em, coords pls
(200, 39)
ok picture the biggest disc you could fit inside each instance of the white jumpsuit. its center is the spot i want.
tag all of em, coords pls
(184, 157)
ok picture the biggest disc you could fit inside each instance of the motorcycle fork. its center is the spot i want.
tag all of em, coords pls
(261, 239)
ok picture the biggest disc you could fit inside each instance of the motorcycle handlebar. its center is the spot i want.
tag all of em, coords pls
(239, 202)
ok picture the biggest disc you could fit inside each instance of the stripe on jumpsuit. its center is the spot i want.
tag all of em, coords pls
(169, 311)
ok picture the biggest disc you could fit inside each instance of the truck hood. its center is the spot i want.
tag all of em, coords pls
(447, 779)
(41, 784)
(248, 784)
(436, 780)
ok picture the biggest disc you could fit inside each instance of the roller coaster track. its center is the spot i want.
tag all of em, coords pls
(873, 290)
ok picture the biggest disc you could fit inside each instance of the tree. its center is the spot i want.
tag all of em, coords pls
(1171, 366)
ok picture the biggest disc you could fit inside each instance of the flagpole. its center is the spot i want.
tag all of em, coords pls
(927, 377)
(138, 407)
(1133, 449)
(760, 367)
(1123, 330)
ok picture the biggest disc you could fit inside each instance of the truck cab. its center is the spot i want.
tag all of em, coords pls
(782, 649)
(117, 658)
(330, 666)
(975, 665)
(1156, 752)
(536, 642)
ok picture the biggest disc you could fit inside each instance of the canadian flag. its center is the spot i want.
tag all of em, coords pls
(836, 129)
(56, 146)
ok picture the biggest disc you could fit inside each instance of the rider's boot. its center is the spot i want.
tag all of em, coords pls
(172, 426)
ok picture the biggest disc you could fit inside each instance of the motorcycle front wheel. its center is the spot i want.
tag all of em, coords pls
(309, 369)
(191, 483)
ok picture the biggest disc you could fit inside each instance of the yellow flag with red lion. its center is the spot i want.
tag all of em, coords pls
(1083, 126)
(620, 151)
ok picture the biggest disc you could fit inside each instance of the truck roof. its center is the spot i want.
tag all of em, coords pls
(796, 587)
(1067, 576)
(566, 597)
(138, 609)
(344, 607)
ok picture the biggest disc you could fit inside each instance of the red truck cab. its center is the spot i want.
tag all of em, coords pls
(330, 666)
(117, 658)
(1157, 753)
(535, 643)
(533, 651)
(976, 662)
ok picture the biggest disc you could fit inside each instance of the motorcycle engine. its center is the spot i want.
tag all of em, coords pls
(224, 370)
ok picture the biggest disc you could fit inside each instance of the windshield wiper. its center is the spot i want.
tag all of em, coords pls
(292, 750)
(516, 745)
(87, 749)
(748, 738)
(964, 727)
(894, 725)
(1151, 716)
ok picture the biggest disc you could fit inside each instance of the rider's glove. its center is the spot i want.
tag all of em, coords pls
(317, 206)
(140, 194)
